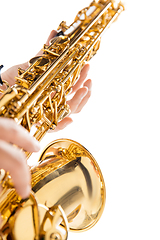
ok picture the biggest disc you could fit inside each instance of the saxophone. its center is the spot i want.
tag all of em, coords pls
(68, 189)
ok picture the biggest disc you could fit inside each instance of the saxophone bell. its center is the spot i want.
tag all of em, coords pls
(68, 193)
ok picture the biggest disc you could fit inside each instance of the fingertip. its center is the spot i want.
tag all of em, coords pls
(24, 192)
(84, 91)
(70, 120)
(53, 33)
(36, 145)
(87, 66)
(88, 84)
(64, 123)
(84, 71)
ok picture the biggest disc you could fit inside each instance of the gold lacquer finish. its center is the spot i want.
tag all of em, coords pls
(68, 190)
(87, 196)
(66, 179)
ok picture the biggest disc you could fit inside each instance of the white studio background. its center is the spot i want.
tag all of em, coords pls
(120, 125)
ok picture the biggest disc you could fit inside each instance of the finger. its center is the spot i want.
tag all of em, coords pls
(13, 161)
(16, 134)
(88, 84)
(75, 101)
(52, 35)
(83, 102)
(10, 73)
(81, 79)
(62, 124)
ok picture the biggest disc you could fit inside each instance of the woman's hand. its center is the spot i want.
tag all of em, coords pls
(12, 159)
(81, 90)
(13, 137)
(80, 98)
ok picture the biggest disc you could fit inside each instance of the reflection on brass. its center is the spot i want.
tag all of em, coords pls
(68, 190)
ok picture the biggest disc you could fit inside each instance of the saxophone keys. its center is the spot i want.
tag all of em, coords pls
(3, 175)
(20, 71)
(40, 62)
(5, 86)
(45, 49)
(59, 224)
(63, 26)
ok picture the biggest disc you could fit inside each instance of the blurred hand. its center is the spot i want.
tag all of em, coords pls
(12, 159)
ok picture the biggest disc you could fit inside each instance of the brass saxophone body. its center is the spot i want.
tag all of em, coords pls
(68, 190)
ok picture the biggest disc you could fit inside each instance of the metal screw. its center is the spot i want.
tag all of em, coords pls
(55, 236)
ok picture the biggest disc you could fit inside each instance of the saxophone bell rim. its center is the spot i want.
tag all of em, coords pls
(62, 143)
